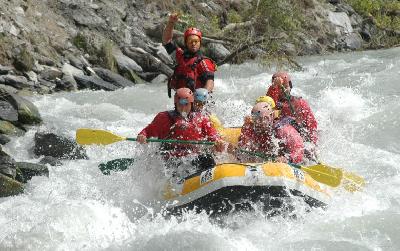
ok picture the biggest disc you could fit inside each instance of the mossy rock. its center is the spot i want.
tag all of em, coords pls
(9, 187)
(24, 61)
(9, 129)
(27, 112)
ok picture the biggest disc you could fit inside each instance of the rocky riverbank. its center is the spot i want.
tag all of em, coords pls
(68, 45)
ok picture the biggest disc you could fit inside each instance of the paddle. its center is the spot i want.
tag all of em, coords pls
(85, 136)
(322, 173)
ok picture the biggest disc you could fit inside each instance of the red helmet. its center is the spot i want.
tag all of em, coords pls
(183, 96)
(192, 31)
(262, 109)
(284, 76)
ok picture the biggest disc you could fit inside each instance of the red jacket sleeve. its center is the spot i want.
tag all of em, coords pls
(292, 143)
(206, 69)
(274, 92)
(306, 116)
(159, 127)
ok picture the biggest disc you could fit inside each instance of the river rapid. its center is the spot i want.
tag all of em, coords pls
(356, 100)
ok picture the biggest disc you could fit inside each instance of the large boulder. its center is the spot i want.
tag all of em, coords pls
(26, 170)
(50, 144)
(27, 112)
(9, 186)
(8, 112)
(148, 62)
(113, 78)
(217, 51)
(18, 82)
(10, 129)
(94, 83)
(125, 64)
(7, 165)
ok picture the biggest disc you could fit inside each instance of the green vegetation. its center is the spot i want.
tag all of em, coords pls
(385, 14)
(383, 11)
(24, 60)
(80, 42)
(106, 58)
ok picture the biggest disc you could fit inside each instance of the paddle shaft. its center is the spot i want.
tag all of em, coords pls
(195, 142)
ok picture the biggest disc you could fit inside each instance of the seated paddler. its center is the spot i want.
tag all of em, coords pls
(183, 123)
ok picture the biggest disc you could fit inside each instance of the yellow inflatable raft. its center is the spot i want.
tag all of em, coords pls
(236, 187)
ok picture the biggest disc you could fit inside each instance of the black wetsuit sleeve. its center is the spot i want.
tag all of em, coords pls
(170, 47)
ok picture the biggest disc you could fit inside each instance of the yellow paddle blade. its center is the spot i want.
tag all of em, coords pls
(325, 174)
(85, 136)
(352, 182)
(230, 134)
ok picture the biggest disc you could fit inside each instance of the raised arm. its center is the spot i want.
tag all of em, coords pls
(169, 28)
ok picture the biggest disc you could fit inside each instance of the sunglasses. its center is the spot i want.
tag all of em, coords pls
(183, 101)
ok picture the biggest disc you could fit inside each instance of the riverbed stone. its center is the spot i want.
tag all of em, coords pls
(26, 170)
(7, 165)
(50, 144)
(94, 83)
(27, 111)
(18, 82)
(125, 63)
(9, 186)
(50, 160)
(4, 139)
(113, 77)
(8, 112)
(10, 129)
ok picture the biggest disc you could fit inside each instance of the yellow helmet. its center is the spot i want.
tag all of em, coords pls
(266, 99)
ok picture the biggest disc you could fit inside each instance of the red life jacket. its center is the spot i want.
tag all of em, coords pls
(187, 72)
(182, 129)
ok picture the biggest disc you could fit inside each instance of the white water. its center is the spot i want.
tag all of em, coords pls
(356, 99)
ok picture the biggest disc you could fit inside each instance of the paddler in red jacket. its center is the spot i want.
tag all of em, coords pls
(295, 110)
(267, 136)
(183, 123)
(193, 70)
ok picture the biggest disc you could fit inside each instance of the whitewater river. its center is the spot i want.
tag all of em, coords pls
(355, 97)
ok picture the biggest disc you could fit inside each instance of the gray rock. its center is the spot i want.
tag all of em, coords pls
(113, 78)
(18, 82)
(45, 61)
(6, 69)
(353, 41)
(76, 62)
(8, 112)
(148, 76)
(26, 170)
(10, 129)
(161, 78)
(217, 51)
(341, 21)
(163, 55)
(50, 160)
(87, 18)
(4, 139)
(27, 112)
(50, 144)
(7, 165)
(9, 186)
(70, 70)
(67, 83)
(50, 73)
(125, 64)
(289, 49)
(148, 62)
(32, 76)
(94, 83)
